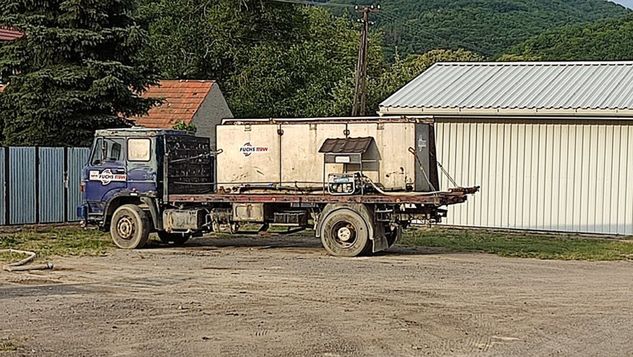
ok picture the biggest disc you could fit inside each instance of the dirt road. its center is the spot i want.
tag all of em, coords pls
(264, 297)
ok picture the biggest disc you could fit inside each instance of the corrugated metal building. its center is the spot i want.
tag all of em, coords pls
(550, 143)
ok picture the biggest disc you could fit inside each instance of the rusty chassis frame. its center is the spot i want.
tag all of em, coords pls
(453, 196)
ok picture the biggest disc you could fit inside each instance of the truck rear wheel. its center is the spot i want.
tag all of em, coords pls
(173, 238)
(129, 227)
(345, 233)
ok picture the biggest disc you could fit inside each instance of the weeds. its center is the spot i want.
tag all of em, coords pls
(75, 241)
(541, 246)
(8, 346)
(55, 242)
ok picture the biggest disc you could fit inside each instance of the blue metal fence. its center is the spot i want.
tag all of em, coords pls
(21, 182)
(51, 185)
(75, 160)
(40, 184)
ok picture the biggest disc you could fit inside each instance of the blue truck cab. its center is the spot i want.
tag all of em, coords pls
(131, 171)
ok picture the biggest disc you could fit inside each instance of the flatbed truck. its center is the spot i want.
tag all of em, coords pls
(139, 181)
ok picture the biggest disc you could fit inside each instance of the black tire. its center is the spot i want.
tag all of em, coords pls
(129, 227)
(344, 233)
(173, 238)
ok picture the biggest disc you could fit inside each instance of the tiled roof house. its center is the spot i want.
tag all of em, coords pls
(196, 102)
(7, 34)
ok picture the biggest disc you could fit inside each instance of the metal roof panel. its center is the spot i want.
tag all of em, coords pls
(517, 86)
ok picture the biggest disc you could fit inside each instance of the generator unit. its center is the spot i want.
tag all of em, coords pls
(345, 184)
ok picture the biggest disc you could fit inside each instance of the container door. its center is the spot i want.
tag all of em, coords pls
(105, 175)
(426, 178)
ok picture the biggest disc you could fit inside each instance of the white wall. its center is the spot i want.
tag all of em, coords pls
(543, 176)
(211, 112)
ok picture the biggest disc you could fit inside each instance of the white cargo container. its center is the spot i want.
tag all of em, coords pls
(290, 152)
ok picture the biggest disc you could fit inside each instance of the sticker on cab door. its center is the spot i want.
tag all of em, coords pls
(106, 176)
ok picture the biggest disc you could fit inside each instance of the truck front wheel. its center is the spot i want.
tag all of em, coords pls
(345, 233)
(129, 227)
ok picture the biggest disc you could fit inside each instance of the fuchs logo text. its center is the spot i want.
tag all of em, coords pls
(248, 149)
(106, 176)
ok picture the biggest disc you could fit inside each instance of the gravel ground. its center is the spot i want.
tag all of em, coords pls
(285, 297)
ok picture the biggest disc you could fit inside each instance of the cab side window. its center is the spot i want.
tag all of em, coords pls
(107, 150)
(138, 149)
(114, 152)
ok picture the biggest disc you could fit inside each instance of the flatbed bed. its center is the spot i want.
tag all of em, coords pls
(436, 198)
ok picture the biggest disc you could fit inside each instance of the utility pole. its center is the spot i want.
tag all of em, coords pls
(360, 90)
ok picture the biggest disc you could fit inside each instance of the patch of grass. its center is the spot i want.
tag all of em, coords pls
(49, 242)
(8, 346)
(541, 246)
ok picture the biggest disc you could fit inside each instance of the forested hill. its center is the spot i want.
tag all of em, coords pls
(489, 27)
(603, 40)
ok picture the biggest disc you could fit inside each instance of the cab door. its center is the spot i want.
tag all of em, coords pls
(142, 169)
(106, 174)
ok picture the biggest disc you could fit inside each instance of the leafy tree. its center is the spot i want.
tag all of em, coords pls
(271, 59)
(181, 125)
(76, 70)
(203, 39)
(298, 78)
(511, 57)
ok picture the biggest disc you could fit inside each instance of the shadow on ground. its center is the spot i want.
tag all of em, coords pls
(297, 241)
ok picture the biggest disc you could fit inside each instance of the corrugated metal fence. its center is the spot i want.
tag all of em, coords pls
(573, 177)
(40, 184)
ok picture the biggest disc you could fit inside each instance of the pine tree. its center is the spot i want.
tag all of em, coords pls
(77, 69)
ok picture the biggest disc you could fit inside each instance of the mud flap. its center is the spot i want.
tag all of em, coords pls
(157, 221)
(379, 241)
(398, 235)
(383, 240)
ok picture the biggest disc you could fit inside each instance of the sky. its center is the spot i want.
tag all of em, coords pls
(627, 3)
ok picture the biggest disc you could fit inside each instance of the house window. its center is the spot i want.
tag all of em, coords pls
(138, 149)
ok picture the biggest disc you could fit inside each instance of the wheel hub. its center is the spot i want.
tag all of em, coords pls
(344, 234)
(125, 227)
